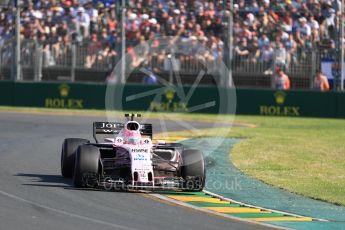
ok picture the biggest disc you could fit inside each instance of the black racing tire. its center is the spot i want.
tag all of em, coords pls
(193, 167)
(86, 171)
(69, 148)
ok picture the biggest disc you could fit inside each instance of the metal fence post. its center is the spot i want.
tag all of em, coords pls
(38, 62)
(35, 60)
(1, 74)
(17, 47)
(342, 46)
(313, 69)
(74, 60)
(123, 43)
(273, 67)
(229, 82)
(13, 59)
(170, 69)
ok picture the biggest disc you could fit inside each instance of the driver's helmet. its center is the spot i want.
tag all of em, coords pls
(133, 140)
(132, 136)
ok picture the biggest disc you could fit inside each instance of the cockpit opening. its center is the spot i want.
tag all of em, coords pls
(132, 126)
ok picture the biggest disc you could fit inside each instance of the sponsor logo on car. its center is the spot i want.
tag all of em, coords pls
(140, 151)
(140, 157)
(106, 125)
(108, 130)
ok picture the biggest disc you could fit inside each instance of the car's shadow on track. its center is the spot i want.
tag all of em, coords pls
(56, 181)
(46, 180)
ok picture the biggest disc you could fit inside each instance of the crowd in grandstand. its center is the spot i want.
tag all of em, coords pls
(283, 29)
(264, 31)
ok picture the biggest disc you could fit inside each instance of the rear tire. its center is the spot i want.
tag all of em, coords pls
(69, 148)
(86, 173)
(193, 170)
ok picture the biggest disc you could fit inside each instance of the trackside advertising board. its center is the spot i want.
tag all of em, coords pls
(205, 99)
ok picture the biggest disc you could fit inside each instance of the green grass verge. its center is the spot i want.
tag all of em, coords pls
(301, 155)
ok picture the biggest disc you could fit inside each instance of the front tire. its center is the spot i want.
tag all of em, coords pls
(86, 171)
(69, 148)
(193, 170)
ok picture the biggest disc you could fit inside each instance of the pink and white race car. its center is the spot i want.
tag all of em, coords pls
(126, 158)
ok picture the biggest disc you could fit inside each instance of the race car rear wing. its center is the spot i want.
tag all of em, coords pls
(114, 128)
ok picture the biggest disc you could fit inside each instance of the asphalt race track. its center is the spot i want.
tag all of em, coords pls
(33, 194)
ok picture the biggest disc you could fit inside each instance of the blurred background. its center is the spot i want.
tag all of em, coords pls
(83, 40)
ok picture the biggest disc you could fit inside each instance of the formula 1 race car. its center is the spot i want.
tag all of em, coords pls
(127, 159)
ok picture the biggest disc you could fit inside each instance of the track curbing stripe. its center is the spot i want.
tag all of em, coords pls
(267, 209)
(198, 198)
(285, 218)
(208, 204)
(224, 215)
(236, 210)
(257, 215)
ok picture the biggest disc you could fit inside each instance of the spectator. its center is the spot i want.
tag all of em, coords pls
(48, 58)
(64, 48)
(321, 82)
(266, 57)
(328, 12)
(83, 21)
(281, 81)
(263, 41)
(242, 50)
(303, 32)
(254, 51)
(107, 55)
(150, 78)
(93, 50)
(112, 39)
(281, 55)
(141, 52)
